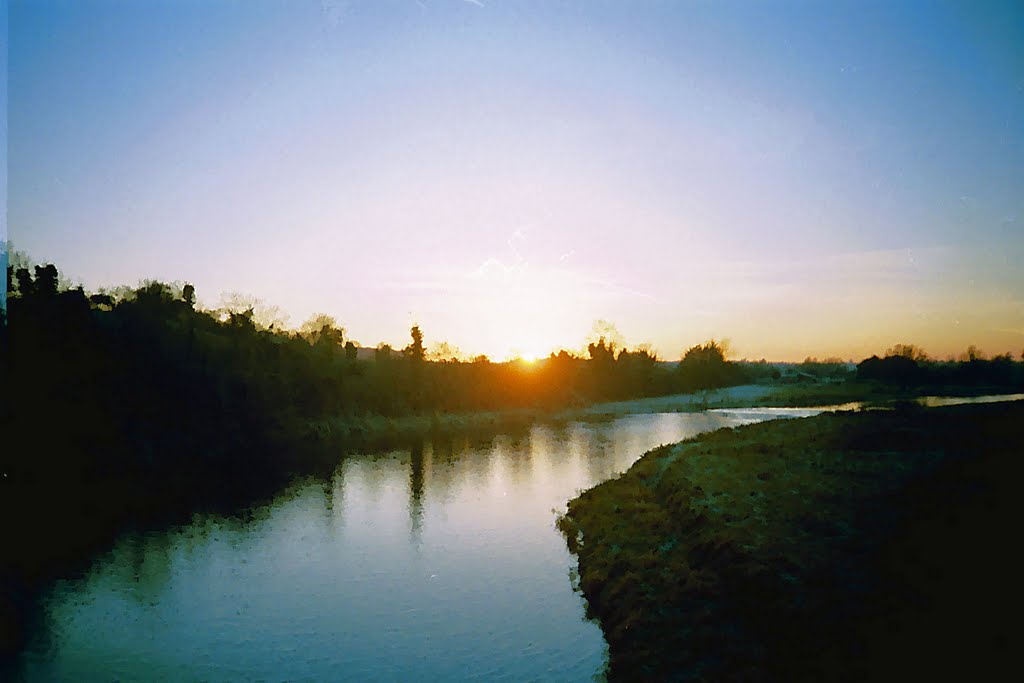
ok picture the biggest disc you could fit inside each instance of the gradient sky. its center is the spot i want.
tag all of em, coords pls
(800, 178)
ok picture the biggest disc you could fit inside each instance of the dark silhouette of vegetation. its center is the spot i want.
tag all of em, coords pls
(415, 351)
(908, 366)
(705, 367)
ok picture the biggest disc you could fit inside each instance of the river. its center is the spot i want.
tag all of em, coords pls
(434, 563)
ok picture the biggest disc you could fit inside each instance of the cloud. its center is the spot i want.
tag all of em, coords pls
(496, 267)
(519, 235)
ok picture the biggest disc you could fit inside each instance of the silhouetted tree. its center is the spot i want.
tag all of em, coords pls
(382, 352)
(899, 370)
(46, 280)
(415, 351)
(101, 300)
(26, 286)
(444, 351)
(188, 295)
(911, 351)
(973, 353)
(601, 351)
(704, 367)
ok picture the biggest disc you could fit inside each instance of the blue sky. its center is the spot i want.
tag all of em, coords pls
(801, 178)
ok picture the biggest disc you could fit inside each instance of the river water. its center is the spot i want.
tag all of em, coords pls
(440, 562)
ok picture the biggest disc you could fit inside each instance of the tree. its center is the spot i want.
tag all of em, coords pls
(382, 352)
(188, 295)
(602, 351)
(102, 300)
(704, 367)
(607, 331)
(264, 316)
(711, 353)
(444, 351)
(26, 286)
(415, 350)
(911, 351)
(970, 354)
(322, 327)
(973, 353)
(46, 280)
(241, 320)
(894, 369)
(416, 391)
(153, 296)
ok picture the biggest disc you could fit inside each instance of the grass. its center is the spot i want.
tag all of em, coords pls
(802, 395)
(841, 547)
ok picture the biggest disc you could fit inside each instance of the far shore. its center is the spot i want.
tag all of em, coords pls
(376, 432)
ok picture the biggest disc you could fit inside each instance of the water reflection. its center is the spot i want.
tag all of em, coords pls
(440, 562)
(416, 492)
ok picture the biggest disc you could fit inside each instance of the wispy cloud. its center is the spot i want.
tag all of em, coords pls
(496, 267)
(519, 235)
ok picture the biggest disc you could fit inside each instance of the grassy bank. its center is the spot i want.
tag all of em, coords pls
(841, 547)
(807, 395)
(824, 394)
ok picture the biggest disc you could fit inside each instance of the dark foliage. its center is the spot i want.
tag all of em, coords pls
(705, 367)
(906, 371)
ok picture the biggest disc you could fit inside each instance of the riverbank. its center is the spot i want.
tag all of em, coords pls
(374, 432)
(848, 546)
(807, 395)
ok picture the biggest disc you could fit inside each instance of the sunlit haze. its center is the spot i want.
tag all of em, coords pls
(800, 178)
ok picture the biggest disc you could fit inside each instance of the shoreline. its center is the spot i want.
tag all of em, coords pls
(766, 552)
(376, 432)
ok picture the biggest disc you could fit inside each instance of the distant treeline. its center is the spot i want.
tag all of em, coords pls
(314, 372)
(908, 366)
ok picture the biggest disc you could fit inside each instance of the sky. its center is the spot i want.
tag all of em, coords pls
(802, 179)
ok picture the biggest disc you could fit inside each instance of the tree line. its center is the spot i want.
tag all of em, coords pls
(908, 365)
